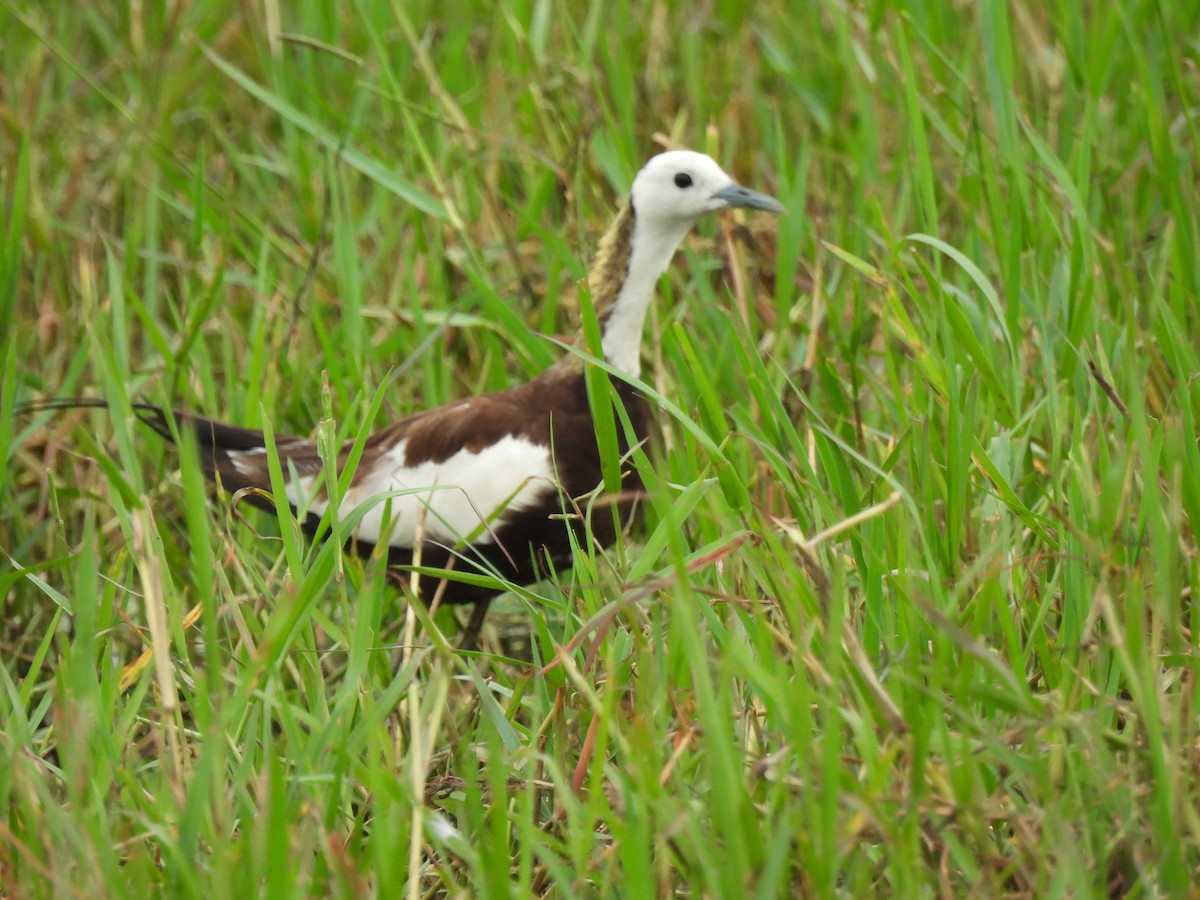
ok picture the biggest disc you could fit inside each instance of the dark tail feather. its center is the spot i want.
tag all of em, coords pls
(215, 440)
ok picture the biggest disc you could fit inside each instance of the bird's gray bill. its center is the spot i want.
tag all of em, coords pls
(736, 195)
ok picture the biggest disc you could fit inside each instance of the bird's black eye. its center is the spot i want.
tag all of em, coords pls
(683, 180)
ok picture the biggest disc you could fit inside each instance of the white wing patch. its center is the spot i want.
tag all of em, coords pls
(459, 494)
(235, 457)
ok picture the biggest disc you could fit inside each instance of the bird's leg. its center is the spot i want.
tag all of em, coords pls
(470, 635)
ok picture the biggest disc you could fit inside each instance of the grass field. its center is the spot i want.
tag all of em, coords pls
(911, 611)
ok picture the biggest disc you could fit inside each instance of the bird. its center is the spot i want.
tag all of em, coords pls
(482, 483)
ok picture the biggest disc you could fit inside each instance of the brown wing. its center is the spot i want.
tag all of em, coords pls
(551, 411)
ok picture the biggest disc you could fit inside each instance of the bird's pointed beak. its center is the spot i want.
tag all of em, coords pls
(736, 195)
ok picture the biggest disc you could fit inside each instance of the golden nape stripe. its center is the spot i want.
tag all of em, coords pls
(483, 482)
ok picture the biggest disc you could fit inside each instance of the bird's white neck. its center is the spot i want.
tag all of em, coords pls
(650, 252)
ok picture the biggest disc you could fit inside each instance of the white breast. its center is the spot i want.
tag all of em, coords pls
(458, 495)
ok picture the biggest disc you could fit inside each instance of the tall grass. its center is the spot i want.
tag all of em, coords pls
(911, 609)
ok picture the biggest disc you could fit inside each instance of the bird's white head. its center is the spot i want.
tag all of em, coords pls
(672, 191)
(680, 186)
